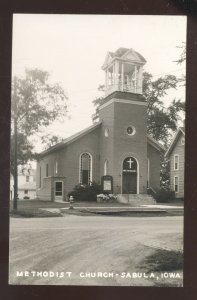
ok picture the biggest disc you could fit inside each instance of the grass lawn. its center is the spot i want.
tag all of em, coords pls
(31, 208)
(32, 204)
(168, 263)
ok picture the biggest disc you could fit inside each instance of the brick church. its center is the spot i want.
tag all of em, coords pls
(117, 145)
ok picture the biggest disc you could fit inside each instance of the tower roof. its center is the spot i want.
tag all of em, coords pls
(124, 54)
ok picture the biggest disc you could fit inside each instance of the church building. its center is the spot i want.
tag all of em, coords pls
(117, 145)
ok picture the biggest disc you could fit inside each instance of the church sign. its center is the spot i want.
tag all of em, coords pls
(107, 184)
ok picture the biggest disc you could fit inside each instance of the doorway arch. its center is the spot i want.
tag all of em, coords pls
(130, 174)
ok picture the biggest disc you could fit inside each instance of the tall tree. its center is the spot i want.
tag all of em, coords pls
(161, 119)
(36, 102)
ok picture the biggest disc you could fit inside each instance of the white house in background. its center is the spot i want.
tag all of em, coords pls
(176, 155)
(26, 183)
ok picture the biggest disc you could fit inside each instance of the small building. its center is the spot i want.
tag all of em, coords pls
(27, 190)
(117, 145)
(26, 183)
(176, 155)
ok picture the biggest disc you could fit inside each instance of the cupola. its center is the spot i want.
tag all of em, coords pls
(123, 71)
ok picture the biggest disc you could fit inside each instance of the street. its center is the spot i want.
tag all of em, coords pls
(75, 248)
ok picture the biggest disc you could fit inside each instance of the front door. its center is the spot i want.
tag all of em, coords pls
(58, 190)
(129, 176)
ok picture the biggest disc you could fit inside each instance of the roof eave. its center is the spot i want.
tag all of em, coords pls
(70, 140)
(155, 144)
(174, 139)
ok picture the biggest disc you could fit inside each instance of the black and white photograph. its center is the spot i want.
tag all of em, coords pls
(97, 156)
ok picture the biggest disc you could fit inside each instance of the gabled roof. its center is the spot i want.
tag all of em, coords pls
(71, 139)
(181, 130)
(123, 53)
(82, 133)
(155, 143)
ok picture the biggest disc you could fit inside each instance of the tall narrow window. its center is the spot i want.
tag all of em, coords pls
(47, 170)
(56, 167)
(176, 184)
(27, 178)
(148, 173)
(106, 167)
(85, 169)
(176, 162)
(40, 177)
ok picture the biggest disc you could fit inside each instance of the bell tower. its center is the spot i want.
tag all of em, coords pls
(123, 143)
(123, 71)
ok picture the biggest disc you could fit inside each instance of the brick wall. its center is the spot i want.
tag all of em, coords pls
(154, 167)
(68, 163)
(117, 116)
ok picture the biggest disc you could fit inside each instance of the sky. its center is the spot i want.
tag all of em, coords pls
(72, 48)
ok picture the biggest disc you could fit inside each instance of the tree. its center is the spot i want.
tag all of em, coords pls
(36, 102)
(161, 120)
(49, 140)
(39, 102)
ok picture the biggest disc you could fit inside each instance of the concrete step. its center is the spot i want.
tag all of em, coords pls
(136, 199)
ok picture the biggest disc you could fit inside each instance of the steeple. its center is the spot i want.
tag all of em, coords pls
(123, 71)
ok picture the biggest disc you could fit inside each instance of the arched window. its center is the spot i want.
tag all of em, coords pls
(106, 167)
(85, 168)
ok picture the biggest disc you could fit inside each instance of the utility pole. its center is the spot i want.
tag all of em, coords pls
(15, 148)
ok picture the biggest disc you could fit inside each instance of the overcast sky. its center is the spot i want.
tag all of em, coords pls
(72, 48)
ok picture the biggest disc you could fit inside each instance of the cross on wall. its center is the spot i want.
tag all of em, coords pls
(130, 162)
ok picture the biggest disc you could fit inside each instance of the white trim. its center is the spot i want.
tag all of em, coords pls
(40, 177)
(174, 139)
(137, 173)
(56, 167)
(91, 163)
(176, 176)
(105, 167)
(148, 171)
(134, 130)
(176, 155)
(58, 197)
(122, 101)
(47, 170)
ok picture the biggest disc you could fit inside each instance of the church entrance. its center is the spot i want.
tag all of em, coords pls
(129, 176)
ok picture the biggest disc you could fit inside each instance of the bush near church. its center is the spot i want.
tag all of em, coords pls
(86, 192)
(163, 196)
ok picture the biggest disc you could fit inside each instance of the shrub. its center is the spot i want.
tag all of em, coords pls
(163, 196)
(85, 192)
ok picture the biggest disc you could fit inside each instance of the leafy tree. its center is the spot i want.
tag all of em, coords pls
(24, 153)
(161, 120)
(50, 140)
(38, 103)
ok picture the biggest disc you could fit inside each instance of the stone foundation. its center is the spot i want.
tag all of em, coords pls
(135, 199)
